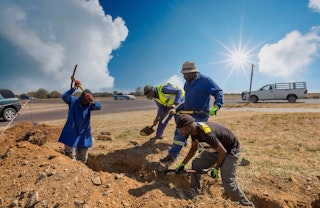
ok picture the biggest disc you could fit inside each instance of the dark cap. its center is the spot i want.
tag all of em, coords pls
(184, 120)
(147, 89)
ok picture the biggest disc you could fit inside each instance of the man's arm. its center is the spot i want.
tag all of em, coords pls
(217, 93)
(169, 89)
(66, 97)
(222, 152)
(191, 153)
(96, 106)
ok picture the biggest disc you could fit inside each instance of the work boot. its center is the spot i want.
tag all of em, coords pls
(156, 137)
(168, 158)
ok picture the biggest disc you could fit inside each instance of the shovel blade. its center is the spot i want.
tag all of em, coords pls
(146, 131)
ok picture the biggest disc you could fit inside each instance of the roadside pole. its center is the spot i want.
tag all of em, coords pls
(252, 69)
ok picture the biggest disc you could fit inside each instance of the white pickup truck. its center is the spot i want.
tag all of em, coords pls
(290, 91)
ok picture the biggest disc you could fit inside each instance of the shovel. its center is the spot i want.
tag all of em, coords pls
(146, 131)
(185, 171)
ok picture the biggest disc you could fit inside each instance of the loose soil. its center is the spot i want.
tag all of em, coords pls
(282, 150)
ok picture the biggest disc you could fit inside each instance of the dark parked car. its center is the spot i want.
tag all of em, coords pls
(123, 96)
(9, 105)
(26, 97)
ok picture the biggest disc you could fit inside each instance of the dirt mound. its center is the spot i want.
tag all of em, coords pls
(35, 173)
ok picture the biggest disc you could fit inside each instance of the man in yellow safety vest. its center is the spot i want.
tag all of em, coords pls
(167, 96)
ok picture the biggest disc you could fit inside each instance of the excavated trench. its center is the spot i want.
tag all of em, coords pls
(133, 163)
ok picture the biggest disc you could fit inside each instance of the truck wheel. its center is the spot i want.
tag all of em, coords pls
(254, 99)
(292, 98)
(9, 113)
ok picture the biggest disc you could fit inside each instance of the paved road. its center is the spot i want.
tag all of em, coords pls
(59, 110)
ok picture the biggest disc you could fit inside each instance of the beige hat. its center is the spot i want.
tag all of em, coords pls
(188, 67)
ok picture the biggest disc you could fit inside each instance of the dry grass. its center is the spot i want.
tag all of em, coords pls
(278, 104)
(282, 145)
(276, 143)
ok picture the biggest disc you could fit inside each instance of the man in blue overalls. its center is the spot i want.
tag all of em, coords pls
(76, 134)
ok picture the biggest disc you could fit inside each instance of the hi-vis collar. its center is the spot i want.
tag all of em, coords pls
(204, 126)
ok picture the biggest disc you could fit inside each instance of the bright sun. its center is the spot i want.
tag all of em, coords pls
(238, 57)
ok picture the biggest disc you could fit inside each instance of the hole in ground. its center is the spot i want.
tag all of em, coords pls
(135, 163)
(132, 161)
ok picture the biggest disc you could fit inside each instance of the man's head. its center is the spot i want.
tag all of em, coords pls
(83, 99)
(189, 71)
(184, 124)
(149, 91)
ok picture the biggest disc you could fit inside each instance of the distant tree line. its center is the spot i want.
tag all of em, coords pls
(43, 93)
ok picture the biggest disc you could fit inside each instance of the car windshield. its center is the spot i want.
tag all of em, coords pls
(7, 94)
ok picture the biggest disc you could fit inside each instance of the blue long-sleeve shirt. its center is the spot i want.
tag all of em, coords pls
(198, 93)
(77, 131)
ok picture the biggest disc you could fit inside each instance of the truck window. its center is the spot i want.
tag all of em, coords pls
(267, 87)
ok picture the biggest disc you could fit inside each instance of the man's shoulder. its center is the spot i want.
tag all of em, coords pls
(205, 126)
(204, 77)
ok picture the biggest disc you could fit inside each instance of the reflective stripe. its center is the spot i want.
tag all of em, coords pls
(178, 143)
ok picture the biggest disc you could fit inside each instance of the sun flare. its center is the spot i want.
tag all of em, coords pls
(239, 57)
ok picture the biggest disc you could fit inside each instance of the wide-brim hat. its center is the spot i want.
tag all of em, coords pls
(188, 67)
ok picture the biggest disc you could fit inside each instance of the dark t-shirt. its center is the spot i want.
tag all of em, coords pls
(213, 133)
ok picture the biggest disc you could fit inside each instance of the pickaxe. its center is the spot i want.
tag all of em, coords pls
(73, 79)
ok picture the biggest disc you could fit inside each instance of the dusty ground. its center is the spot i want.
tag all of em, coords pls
(283, 150)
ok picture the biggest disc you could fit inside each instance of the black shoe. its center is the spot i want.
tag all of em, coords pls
(156, 137)
(168, 158)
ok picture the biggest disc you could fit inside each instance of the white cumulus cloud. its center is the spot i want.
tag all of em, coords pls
(53, 36)
(176, 80)
(314, 5)
(290, 56)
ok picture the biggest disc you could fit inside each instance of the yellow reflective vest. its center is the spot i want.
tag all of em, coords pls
(167, 99)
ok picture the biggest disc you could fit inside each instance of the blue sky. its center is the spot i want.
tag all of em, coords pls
(124, 44)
